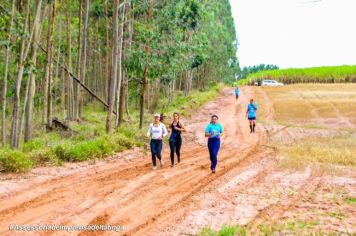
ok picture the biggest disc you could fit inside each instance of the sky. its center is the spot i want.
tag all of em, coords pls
(295, 33)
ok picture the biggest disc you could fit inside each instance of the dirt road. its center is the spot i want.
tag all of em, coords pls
(170, 201)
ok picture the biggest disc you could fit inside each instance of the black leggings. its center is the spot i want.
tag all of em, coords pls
(175, 146)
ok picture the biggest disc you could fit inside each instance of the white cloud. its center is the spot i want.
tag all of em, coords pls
(295, 33)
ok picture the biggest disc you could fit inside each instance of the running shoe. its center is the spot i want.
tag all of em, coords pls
(161, 163)
(154, 167)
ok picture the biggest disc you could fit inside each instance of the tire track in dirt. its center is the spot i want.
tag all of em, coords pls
(197, 187)
(131, 194)
(283, 205)
(254, 154)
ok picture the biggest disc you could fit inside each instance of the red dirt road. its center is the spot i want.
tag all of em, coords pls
(169, 201)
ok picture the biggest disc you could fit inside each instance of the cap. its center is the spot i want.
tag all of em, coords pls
(156, 115)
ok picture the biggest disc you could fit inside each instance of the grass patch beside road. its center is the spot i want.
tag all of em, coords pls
(90, 140)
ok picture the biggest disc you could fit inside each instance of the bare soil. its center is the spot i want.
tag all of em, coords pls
(122, 190)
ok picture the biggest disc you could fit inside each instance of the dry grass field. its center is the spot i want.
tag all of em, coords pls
(320, 121)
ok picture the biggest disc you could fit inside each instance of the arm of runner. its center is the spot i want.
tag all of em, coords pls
(182, 129)
(207, 132)
(165, 132)
(149, 131)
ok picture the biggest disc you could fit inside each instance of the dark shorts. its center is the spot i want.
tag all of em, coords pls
(237, 96)
(252, 118)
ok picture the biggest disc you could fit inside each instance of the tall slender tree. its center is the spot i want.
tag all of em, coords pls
(4, 88)
(83, 58)
(115, 57)
(119, 69)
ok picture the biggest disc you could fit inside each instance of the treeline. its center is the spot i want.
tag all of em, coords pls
(247, 70)
(62, 55)
(326, 74)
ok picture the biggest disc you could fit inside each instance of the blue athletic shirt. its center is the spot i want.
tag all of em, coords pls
(237, 91)
(214, 127)
(251, 110)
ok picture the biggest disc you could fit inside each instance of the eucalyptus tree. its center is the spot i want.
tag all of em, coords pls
(6, 73)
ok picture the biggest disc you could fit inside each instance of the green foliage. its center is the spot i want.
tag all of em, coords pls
(33, 145)
(351, 200)
(242, 74)
(224, 231)
(46, 156)
(194, 36)
(82, 151)
(292, 227)
(14, 161)
(182, 36)
(189, 15)
(95, 148)
(91, 142)
(327, 74)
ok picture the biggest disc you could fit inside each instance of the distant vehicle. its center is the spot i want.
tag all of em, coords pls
(271, 83)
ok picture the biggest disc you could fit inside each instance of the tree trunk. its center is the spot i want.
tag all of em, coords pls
(69, 83)
(28, 109)
(4, 89)
(77, 85)
(145, 71)
(119, 105)
(143, 91)
(107, 54)
(115, 54)
(83, 57)
(127, 97)
(47, 111)
(130, 30)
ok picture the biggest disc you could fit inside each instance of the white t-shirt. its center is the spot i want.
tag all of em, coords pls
(157, 132)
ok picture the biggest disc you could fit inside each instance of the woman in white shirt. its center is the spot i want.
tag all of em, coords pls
(157, 131)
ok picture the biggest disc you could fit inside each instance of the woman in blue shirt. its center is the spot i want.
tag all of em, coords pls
(251, 114)
(237, 93)
(213, 131)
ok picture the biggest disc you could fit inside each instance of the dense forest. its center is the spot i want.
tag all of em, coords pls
(59, 57)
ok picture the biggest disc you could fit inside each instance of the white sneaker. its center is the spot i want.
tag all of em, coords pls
(161, 162)
(154, 167)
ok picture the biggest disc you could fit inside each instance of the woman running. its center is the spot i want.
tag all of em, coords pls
(175, 140)
(237, 93)
(157, 131)
(251, 114)
(162, 118)
(213, 131)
